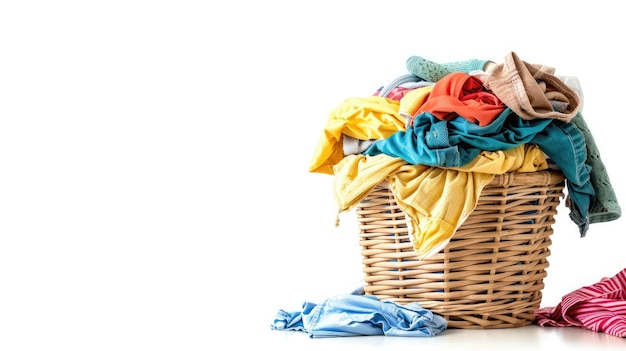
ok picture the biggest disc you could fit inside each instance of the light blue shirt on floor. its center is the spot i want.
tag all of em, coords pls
(360, 315)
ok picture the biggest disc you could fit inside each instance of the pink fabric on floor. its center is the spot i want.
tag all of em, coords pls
(600, 307)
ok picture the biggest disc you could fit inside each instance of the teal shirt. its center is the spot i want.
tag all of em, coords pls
(455, 143)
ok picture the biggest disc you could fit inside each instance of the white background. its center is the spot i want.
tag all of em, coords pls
(154, 191)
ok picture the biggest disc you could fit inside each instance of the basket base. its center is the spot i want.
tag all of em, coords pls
(490, 275)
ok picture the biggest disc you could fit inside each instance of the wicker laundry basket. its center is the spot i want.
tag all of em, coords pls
(491, 273)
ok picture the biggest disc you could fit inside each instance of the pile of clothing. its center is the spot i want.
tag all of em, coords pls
(437, 136)
(440, 133)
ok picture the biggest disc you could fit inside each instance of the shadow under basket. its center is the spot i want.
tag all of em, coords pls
(490, 275)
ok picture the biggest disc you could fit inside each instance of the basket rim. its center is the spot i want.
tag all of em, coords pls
(536, 178)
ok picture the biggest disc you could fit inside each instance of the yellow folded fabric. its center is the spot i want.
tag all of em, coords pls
(437, 200)
(366, 118)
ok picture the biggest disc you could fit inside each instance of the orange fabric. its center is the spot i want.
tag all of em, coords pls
(461, 94)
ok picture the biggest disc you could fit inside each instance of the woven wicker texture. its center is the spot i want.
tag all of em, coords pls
(491, 273)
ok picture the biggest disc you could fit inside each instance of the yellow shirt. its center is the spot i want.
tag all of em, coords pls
(367, 118)
(437, 200)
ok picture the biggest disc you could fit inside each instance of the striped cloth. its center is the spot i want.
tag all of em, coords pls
(600, 307)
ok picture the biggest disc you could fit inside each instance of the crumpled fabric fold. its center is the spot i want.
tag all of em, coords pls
(531, 90)
(371, 117)
(437, 200)
(461, 94)
(360, 315)
(600, 307)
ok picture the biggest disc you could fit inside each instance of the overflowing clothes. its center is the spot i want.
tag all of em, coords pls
(449, 123)
(437, 136)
